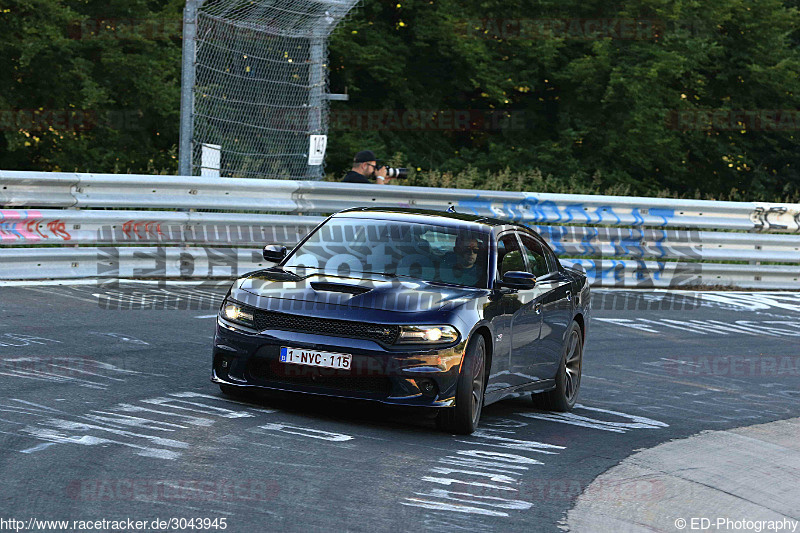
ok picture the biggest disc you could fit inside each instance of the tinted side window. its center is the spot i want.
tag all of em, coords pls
(535, 253)
(551, 259)
(509, 255)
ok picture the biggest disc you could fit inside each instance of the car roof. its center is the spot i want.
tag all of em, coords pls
(403, 214)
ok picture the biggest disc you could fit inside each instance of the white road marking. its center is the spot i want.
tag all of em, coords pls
(111, 427)
(492, 501)
(709, 327)
(451, 481)
(123, 338)
(637, 422)
(485, 438)
(626, 322)
(49, 369)
(305, 432)
(477, 463)
(26, 340)
(39, 447)
(496, 478)
(441, 506)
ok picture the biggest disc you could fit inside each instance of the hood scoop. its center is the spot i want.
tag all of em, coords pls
(339, 287)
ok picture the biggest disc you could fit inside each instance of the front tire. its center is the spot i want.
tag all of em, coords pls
(568, 377)
(464, 417)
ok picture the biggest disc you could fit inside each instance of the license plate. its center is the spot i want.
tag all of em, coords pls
(300, 356)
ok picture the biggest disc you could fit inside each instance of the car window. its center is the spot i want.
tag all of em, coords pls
(535, 254)
(552, 261)
(440, 243)
(509, 255)
(343, 246)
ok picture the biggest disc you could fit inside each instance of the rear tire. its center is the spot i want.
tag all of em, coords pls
(464, 417)
(568, 377)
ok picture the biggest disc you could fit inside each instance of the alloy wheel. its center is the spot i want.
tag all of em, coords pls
(572, 367)
(478, 382)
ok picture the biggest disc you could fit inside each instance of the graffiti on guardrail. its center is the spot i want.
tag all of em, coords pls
(14, 225)
(641, 274)
(622, 242)
(531, 209)
(767, 217)
(131, 229)
(30, 227)
(599, 250)
(58, 229)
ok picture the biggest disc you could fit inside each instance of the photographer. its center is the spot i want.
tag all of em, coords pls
(365, 165)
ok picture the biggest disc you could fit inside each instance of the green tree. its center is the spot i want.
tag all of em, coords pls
(604, 108)
(91, 85)
(578, 95)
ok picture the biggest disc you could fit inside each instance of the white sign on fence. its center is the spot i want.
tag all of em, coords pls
(316, 149)
(210, 157)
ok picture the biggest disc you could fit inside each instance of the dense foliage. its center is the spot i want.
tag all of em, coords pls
(640, 96)
(89, 85)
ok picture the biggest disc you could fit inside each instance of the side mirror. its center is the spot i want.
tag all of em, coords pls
(274, 253)
(516, 279)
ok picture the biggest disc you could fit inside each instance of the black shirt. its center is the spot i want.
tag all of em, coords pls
(355, 177)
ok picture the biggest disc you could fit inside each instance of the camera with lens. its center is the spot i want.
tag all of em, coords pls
(398, 173)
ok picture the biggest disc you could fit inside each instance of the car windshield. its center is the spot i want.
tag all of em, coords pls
(442, 254)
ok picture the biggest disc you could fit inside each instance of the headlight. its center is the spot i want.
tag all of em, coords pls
(237, 314)
(427, 335)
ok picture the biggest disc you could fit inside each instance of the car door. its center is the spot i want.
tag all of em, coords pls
(504, 304)
(526, 320)
(556, 304)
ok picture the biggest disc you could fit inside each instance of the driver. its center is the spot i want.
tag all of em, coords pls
(462, 266)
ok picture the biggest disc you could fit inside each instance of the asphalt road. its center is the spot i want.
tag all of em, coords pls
(108, 413)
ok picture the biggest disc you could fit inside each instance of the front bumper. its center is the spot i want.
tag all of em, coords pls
(395, 376)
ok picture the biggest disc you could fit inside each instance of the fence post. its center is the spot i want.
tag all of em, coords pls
(316, 83)
(187, 86)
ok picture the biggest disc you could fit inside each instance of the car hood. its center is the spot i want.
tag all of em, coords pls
(361, 291)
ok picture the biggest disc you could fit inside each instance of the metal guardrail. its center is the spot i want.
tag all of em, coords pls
(51, 226)
(111, 263)
(36, 189)
(640, 241)
(71, 227)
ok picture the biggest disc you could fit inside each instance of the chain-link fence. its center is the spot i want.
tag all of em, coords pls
(258, 86)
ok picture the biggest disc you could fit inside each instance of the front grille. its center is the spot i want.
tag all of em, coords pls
(274, 371)
(337, 328)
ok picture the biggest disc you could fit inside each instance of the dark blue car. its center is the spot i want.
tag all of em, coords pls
(409, 307)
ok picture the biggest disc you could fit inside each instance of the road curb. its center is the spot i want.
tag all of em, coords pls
(739, 475)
